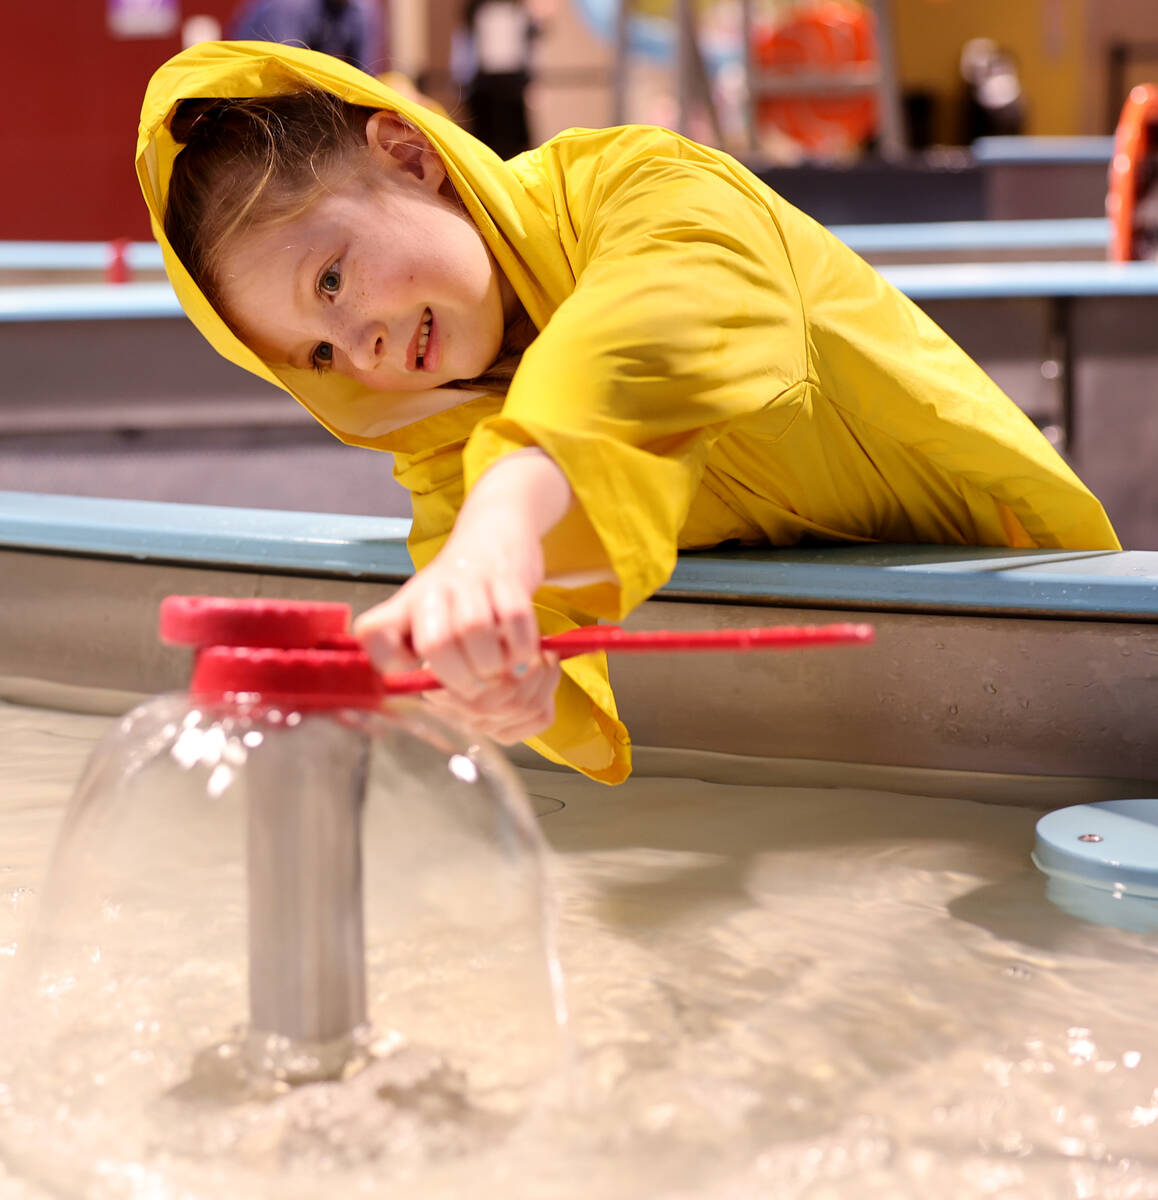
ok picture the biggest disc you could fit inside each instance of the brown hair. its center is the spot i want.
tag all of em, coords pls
(249, 162)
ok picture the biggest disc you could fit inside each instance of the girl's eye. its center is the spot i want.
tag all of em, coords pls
(331, 280)
(322, 357)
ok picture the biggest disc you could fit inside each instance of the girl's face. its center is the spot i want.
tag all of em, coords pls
(389, 284)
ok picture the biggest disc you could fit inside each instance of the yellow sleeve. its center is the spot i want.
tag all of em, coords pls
(587, 733)
(684, 316)
(902, 385)
(700, 299)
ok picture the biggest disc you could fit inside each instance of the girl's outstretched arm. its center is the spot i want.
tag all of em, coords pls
(469, 613)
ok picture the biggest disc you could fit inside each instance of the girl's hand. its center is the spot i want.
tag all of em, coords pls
(469, 614)
(511, 708)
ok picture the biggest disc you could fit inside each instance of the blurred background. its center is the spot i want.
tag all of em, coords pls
(75, 71)
(965, 147)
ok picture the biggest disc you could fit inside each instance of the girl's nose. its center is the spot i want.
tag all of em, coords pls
(367, 346)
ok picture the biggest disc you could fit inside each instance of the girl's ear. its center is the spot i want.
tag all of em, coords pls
(401, 147)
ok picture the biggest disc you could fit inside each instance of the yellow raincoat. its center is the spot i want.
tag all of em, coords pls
(711, 365)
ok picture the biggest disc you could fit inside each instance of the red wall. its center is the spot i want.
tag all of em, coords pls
(68, 120)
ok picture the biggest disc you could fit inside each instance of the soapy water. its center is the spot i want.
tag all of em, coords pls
(774, 992)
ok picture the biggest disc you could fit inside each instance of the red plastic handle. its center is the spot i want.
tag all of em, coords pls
(592, 638)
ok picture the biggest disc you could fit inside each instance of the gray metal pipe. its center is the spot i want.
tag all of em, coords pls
(305, 787)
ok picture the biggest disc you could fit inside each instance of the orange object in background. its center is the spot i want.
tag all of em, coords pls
(825, 38)
(1131, 174)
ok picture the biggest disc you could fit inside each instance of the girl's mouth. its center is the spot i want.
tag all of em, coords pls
(423, 340)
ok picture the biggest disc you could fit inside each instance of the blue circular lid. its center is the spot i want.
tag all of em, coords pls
(1112, 846)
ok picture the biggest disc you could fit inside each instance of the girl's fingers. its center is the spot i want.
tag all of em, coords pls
(472, 635)
(537, 711)
(510, 709)
(384, 632)
(479, 636)
(515, 623)
(436, 640)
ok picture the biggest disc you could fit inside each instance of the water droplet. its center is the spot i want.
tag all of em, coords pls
(953, 709)
(991, 688)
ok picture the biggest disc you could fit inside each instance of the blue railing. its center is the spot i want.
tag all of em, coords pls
(1069, 584)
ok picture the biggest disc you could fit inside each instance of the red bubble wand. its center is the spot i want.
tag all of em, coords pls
(224, 628)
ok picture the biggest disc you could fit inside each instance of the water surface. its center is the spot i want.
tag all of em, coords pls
(824, 994)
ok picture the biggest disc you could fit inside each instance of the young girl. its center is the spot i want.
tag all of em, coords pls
(616, 346)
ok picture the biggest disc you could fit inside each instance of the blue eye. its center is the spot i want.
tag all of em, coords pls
(323, 357)
(331, 280)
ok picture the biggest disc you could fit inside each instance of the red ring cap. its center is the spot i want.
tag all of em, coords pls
(220, 621)
(300, 678)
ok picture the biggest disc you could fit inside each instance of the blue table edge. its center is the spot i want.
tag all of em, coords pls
(1106, 585)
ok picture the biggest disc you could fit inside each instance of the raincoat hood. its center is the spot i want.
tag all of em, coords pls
(516, 223)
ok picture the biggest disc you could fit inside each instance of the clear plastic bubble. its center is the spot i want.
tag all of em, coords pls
(190, 992)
